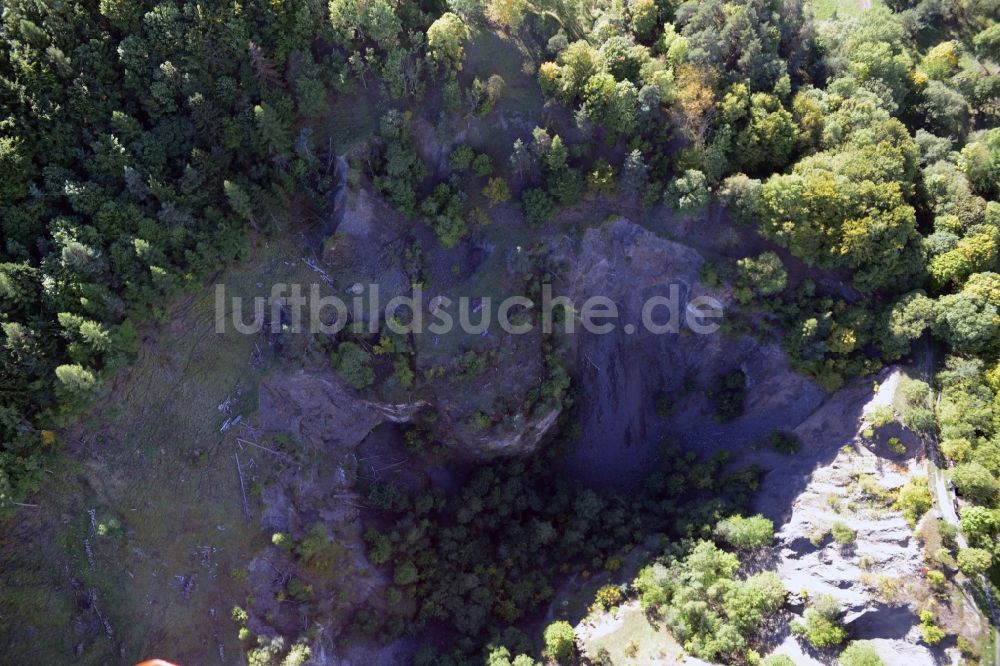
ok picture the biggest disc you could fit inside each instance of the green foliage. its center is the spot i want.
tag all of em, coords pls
(846, 207)
(601, 179)
(405, 574)
(746, 533)
(538, 207)
(610, 103)
(311, 96)
(974, 561)
(914, 499)
(822, 626)
(930, 632)
(936, 580)
(313, 547)
(445, 38)
(710, 611)
(784, 442)
(444, 210)
(729, 396)
(978, 524)
(482, 165)
(354, 364)
(461, 157)
(496, 190)
(299, 590)
(881, 416)
(842, 534)
(560, 641)
(483, 558)
(764, 273)
(634, 174)
(778, 660)
(608, 596)
(860, 653)
(689, 193)
(976, 483)
(398, 168)
(379, 547)
(282, 541)
(358, 23)
(272, 652)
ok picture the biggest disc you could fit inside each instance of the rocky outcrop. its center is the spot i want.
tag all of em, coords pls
(880, 578)
(621, 373)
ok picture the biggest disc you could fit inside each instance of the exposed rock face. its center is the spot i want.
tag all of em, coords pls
(879, 579)
(369, 248)
(622, 372)
(317, 408)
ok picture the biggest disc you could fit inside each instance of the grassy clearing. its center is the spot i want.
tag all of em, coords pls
(633, 640)
(150, 456)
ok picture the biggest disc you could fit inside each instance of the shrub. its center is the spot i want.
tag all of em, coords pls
(482, 165)
(784, 442)
(689, 192)
(461, 158)
(538, 207)
(601, 179)
(919, 419)
(822, 627)
(379, 546)
(496, 190)
(860, 653)
(916, 393)
(299, 590)
(405, 574)
(764, 273)
(608, 596)
(444, 210)
(778, 660)
(881, 416)
(560, 641)
(282, 541)
(976, 483)
(566, 186)
(842, 534)
(914, 499)
(740, 532)
(314, 546)
(936, 580)
(974, 561)
(818, 536)
(730, 396)
(930, 632)
(957, 449)
(354, 364)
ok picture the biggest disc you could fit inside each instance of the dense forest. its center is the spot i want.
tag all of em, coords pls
(142, 144)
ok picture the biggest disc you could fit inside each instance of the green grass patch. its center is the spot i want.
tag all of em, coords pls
(149, 458)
